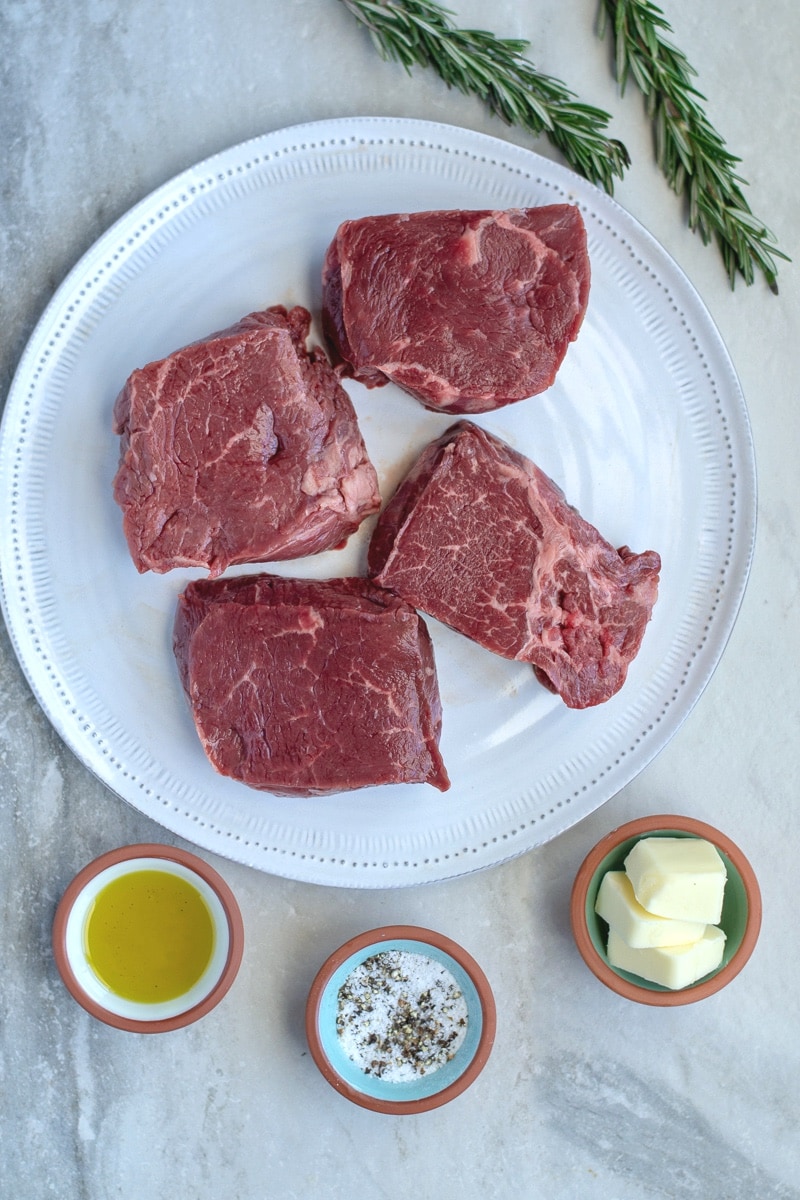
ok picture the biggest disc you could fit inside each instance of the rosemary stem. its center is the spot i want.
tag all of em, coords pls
(690, 153)
(420, 33)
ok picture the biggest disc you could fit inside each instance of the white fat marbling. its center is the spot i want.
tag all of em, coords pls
(586, 1096)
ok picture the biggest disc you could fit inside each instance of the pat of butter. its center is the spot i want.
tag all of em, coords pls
(682, 878)
(673, 967)
(618, 906)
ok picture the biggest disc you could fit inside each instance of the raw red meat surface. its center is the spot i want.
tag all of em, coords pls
(467, 311)
(242, 447)
(304, 687)
(481, 539)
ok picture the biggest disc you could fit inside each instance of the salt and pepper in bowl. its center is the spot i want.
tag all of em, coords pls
(400, 1019)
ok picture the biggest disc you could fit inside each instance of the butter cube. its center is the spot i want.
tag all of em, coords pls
(617, 905)
(682, 878)
(673, 967)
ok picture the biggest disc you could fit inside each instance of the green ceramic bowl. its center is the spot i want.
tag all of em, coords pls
(741, 910)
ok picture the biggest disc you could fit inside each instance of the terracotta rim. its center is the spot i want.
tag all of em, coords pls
(640, 828)
(427, 937)
(170, 854)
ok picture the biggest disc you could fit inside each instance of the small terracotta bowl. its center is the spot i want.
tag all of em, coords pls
(425, 1091)
(69, 940)
(741, 910)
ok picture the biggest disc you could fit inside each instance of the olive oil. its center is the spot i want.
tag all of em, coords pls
(149, 936)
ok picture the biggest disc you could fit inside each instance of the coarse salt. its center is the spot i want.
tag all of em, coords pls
(400, 1015)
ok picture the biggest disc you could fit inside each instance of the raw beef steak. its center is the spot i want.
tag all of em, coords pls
(239, 448)
(467, 311)
(478, 537)
(302, 687)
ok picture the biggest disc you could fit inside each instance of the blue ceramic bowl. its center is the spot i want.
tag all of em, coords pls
(422, 1091)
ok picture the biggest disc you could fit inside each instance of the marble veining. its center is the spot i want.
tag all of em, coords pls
(654, 1137)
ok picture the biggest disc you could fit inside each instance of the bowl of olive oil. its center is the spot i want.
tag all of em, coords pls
(148, 938)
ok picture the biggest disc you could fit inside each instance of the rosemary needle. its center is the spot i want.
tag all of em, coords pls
(690, 153)
(419, 32)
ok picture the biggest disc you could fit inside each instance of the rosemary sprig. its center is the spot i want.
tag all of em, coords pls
(419, 32)
(691, 154)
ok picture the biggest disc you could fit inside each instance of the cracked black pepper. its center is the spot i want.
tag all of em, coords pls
(400, 1015)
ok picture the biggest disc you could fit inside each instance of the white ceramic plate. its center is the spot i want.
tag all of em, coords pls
(645, 429)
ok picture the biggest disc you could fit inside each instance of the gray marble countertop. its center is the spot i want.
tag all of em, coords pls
(586, 1095)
